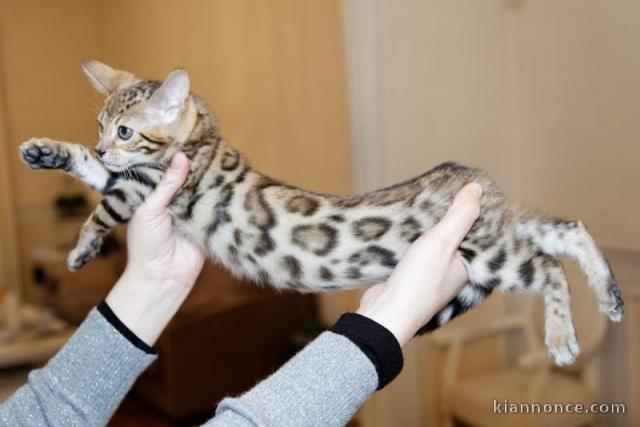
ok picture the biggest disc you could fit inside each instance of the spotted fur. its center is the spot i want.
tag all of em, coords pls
(271, 232)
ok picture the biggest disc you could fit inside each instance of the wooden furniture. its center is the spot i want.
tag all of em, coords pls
(72, 294)
(532, 378)
(221, 344)
(612, 357)
(620, 365)
(39, 337)
(9, 259)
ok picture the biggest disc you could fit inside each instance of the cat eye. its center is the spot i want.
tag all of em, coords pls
(124, 133)
(100, 127)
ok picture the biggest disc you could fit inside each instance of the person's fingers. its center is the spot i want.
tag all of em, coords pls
(170, 183)
(461, 215)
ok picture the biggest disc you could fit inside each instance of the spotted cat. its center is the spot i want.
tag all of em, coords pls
(271, 232)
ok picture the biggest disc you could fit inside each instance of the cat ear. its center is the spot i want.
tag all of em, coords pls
(105, 79)
(168, 100)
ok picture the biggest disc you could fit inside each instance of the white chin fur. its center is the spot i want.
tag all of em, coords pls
(113, 167)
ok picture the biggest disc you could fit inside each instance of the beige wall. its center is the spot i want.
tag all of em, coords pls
(448, 87)
(46, 95)
(579, 68)
(273, 71)
(447, 92)
(42, 43)
(541, 94)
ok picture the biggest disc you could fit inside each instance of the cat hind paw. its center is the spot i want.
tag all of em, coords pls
(563, 348)
(614, 306)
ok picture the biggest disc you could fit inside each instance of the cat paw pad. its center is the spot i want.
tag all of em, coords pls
(44, 153)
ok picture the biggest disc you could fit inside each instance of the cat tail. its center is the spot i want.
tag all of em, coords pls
(470, 296)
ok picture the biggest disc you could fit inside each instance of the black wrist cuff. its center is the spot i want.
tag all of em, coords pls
(375, 341)
(104, 309)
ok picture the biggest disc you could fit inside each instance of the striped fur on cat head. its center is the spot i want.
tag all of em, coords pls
(141, 121)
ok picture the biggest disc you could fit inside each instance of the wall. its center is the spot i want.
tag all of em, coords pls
(273, 72)
(541, 94)
(448, 88)
(443, 81)
(45, 94)
(579, 68)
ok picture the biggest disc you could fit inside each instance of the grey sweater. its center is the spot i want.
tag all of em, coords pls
(323, 385)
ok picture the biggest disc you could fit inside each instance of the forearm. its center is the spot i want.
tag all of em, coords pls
(87, 168)
(84, 383)
(145, 303)
(324, 384)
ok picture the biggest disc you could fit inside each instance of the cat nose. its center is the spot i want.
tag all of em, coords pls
(100, 152)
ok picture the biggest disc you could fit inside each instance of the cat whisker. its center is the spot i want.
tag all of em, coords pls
(93, 106)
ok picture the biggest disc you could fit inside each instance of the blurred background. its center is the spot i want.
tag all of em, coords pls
(340, 97)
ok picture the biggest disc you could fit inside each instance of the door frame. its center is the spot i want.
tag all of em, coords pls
(9, 255)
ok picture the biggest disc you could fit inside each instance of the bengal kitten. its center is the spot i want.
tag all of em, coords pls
(275, 233)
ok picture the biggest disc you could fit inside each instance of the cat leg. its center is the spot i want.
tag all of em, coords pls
(541, 274)
(75, 159)
(110, 212)
(530, 271)
(560, 334)
(571, 239)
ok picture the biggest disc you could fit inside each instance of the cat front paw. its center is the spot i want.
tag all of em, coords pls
(83, 253)
(45, 153)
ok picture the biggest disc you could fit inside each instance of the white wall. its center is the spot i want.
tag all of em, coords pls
(542, 94)
(579, 63)
(430, 81)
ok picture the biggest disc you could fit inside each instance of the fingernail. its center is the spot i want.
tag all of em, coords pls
(475, 189)
(176, 162)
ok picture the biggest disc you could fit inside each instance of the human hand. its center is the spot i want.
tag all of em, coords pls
(429, 274)
(162, 265)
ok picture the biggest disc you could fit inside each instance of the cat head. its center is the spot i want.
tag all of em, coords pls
(141, 121)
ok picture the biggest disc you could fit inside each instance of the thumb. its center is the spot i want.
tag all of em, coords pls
(170, 183)
(461, 215)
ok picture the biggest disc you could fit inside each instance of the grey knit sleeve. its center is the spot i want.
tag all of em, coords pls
(84, 383)
(324, 384)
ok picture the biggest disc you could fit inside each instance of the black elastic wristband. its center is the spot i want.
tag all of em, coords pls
(111, 317)
(375, 341)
